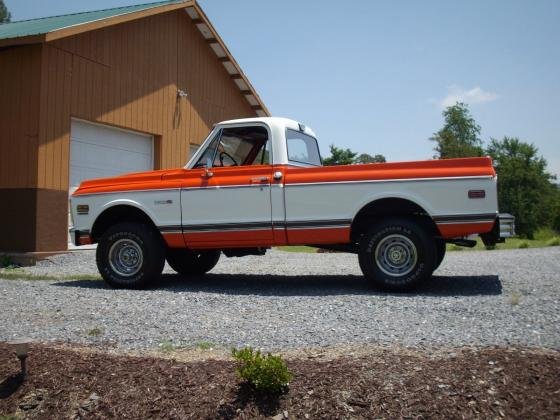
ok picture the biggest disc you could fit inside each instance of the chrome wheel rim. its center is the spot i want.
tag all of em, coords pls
(396, 255)
(125, 257)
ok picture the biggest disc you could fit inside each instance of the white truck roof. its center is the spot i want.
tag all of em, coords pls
(272, 122)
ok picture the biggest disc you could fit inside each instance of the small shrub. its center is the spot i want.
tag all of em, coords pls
(95, 332)
(554, 241)
(265, 373)
(523, 244)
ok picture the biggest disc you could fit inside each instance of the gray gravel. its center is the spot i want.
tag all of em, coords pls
(288, 300)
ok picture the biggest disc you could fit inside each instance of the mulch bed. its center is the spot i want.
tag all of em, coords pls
(383, 383)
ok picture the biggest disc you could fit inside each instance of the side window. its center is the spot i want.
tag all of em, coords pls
(238, 146)
(302, 148)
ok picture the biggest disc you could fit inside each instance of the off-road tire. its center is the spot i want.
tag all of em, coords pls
(130, 255)
(189, 263)
(397, 254)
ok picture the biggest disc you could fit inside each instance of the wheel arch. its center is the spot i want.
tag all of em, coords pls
(389, 207)
(116, 213)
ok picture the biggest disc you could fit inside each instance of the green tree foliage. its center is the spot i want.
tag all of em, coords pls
(524, 186)
(348, 157)
(340, 156)
(5, 15)
(459, 136)
(365, 158)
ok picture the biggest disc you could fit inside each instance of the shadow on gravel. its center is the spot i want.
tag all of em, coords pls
(308, 285)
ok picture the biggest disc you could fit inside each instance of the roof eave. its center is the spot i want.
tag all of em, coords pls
(22, 40)
(126, 17)
(218, 40)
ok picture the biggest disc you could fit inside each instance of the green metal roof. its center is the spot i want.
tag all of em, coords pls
(53, 23)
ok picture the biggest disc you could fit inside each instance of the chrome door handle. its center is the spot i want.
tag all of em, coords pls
(259, 180)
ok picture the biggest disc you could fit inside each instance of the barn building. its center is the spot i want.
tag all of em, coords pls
(101, 93)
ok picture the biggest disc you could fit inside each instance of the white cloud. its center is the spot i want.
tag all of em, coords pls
(475, 95)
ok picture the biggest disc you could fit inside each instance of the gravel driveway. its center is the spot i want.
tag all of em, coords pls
(287, 300)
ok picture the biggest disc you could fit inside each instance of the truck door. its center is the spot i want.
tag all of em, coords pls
(225, 199)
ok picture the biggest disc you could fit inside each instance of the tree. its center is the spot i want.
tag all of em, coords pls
(459, 136)
(524, 187)
(365, 158)
(348, 157)
(5, 15)
(339, 156)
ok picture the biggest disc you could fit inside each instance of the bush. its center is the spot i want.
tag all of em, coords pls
(544, 234)
(523, 244)
(265, 373)
(554, 241)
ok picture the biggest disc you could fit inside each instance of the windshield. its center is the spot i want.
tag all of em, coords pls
(302, 148)
(237, 146)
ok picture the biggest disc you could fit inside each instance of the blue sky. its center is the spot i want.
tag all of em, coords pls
(374, 75)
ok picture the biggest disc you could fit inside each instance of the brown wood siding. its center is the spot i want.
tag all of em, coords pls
(127, 76)
(19, 115)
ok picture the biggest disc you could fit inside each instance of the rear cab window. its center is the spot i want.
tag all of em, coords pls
(302, 148)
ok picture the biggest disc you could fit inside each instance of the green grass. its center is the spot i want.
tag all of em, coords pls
(297, 248)
(10, 417)
(544, 234)
(167, 346)
(204, 345)
(20, 274)
(553, 242)
(95, 332)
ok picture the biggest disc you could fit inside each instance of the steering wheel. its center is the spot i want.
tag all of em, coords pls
(221, 156)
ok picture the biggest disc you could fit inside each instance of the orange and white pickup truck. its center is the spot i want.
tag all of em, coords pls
(258, 183)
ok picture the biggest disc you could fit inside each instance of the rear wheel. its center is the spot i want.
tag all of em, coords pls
(130, 255)
(397, 254)
(187, 262)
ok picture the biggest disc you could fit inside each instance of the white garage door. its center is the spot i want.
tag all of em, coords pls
(98, 151)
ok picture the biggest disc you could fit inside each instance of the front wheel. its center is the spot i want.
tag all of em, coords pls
(440, 252)
(397, 254)
(187, 262)
(130, 255)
